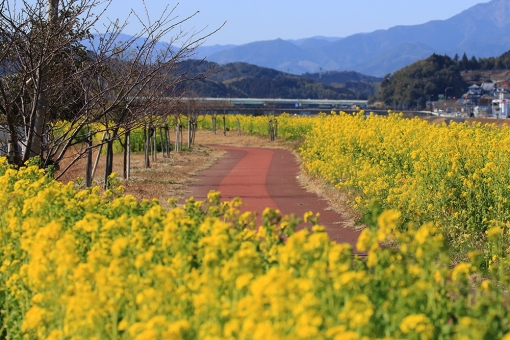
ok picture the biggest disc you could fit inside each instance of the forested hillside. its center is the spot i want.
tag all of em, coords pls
(483, 64)
(242, 80)
(413, 84)
(440, 75)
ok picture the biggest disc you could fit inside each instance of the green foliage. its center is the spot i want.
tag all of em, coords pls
(485, 64)
(372, 213)
(414, 84)
(336, 77)
(81, 135)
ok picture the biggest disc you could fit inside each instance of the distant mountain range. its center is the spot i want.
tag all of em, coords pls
(244, 80)
(481, 30)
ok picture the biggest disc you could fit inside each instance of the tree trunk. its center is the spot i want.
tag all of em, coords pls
(180, 137)
(194, 128)
(271, 131)
(189, 133)
(168, 141)
(154, 140)
(41, 116)
(146, 147)
(177, 139)
(149, 140)
(88, 176)
(13, 152)
(161, 142)
(98, 155)
(127, 155)
(52, 9)
(109, 162)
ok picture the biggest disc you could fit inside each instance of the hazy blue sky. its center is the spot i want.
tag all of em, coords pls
(248, 21)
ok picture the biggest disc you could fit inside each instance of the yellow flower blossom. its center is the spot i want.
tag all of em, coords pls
(418, 324)
(494, 232)
(92, 266)
(357, 311)
(462, 270)
(364, 240)
(387, 222)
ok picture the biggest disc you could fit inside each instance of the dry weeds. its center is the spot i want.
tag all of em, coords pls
(336, 198)
(169, 177)
(166, 178)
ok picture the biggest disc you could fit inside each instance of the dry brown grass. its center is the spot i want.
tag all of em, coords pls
(166, 178)
(478, 76)
(336, 198)
(169, 177)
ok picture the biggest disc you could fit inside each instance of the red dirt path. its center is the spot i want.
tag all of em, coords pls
(267, 178)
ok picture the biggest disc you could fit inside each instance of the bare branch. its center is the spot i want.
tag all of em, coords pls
(61, 78)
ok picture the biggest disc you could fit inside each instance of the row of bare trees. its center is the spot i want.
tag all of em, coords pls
(62, 81)
(191, 109)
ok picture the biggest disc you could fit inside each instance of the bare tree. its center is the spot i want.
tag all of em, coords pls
(191, 107)
(59, 83)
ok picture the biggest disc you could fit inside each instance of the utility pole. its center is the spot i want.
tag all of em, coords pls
(446, 89)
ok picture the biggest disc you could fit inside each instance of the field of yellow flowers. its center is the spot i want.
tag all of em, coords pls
(79, 264)
(456, 176)
(288, 127)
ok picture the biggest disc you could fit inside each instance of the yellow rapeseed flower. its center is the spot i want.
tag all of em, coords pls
(418, 324)
(364, 240)
(387, 223)
(357, 311)
(494, 233)
(461, 271)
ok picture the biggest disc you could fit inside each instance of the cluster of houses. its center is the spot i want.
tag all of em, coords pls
(484, 100)
(490, 99)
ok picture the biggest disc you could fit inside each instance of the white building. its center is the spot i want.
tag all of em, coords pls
(501, 106)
